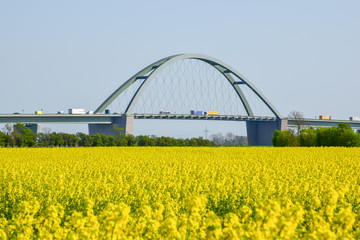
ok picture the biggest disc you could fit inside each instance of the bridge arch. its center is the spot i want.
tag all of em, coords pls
(151, 71)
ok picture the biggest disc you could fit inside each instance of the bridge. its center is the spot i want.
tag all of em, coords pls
(179, 84)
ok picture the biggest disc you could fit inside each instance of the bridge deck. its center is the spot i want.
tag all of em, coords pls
(202, 117)
(109, 118)
(56, 118)
(312, 122)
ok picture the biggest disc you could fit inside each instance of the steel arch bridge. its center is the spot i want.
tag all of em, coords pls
(150, 72)
(259, 128)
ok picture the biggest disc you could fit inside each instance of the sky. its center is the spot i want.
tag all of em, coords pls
(302, 55)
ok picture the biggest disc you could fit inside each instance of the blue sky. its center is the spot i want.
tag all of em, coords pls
(302, 55)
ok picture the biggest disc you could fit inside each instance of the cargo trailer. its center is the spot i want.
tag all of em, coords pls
(354, 118)
(211, 113)
(77, 111)
(196, 112)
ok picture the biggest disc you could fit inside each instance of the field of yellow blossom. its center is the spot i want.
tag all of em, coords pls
(180, 193)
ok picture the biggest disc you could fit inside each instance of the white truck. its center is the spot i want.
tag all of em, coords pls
(354, 118)
(77, 111)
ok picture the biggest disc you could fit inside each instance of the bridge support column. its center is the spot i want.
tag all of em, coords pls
(259, 133)
(125, 122)
(34, 127)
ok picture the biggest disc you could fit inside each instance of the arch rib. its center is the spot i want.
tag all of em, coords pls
(127, 84)
(154, 69)
(231, 80)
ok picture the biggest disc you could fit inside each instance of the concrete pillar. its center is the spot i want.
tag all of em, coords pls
(125, 122)
(259, 133)
(34, 127)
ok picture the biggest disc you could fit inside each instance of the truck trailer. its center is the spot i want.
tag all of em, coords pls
(196, 112)
(211, 113)
(354, 118)
(76, 111)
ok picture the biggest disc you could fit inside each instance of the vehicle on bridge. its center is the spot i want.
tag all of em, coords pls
(322, 117)
(195, 112)
(76, 111)
(211, 113)
(38, 112)
(354, 118)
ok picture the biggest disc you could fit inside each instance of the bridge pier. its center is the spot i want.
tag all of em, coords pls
(125, 122)
(34, 127)
(259, 133)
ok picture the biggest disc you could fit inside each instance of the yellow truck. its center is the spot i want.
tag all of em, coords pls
(38, 112)
(211, 113)
(321, 117)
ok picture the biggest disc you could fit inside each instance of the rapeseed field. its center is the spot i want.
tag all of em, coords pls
(180, 193)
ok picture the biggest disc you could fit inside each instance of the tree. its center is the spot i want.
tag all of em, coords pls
(298, 118)
(284, 139)
(9, 140)
(82, 138)
(308, 138)
(2, 139)
(23, 136)
(181, 142)
(8, 128)
(164, 141)
(112, 141)
(131, 140)
(73, 140)
(46, 130)
(119, 136)
(89, 141)
(97, 140)
(203, 142)
(58, 139)
(229, 136)
(105, 139)
(70, 140)
(145, 141)
(192, 142)
(42, 140)
(119, 132)
(347, 137)
(218, 138)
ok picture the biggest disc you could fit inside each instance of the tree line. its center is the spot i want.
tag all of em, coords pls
(342, 135)
(230, 139)
(19, 135)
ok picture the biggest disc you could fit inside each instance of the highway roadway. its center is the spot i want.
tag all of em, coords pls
(110, 118)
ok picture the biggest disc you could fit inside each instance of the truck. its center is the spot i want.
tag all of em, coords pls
(76, 111)
(196, 112)
(211, 113)
(354, 118)
(164, 112)
(322, 117)
(39, 112)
